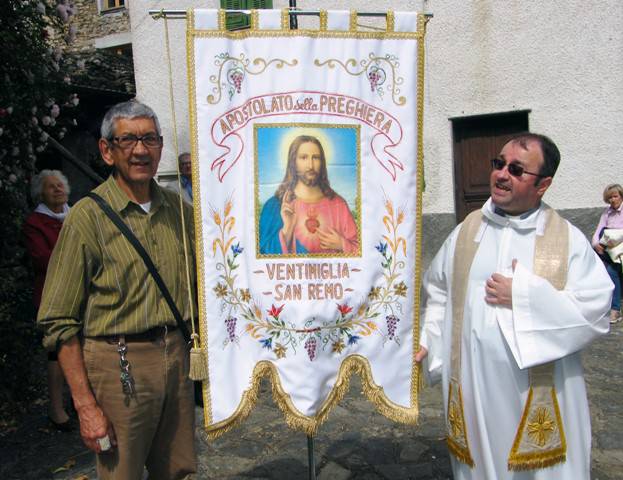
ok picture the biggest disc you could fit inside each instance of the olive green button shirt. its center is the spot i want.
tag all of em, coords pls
(97, 284)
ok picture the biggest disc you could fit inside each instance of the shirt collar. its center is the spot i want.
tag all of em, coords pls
(617, 210)
(119, 200)
(45, 210)
(526, 221)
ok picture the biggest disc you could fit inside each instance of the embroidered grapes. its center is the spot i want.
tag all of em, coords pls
(310, 346)
(392, 320)
(230, 323)
(235, 77)
(376, 77)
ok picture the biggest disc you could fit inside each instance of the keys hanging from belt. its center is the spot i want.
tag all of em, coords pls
(127, 380)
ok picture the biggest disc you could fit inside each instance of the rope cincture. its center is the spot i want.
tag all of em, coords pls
(198, 365)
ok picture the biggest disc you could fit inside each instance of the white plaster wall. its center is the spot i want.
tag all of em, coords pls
(562, 59)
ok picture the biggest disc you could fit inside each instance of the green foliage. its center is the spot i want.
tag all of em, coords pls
(19, 341)
(35, 103)
(34, 99)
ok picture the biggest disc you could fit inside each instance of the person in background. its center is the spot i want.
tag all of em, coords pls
(185, 178)
(49, 190)
(611, 218)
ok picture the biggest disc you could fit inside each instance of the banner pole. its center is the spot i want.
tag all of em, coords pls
(293, 20)
(181, 14)
(311, 462)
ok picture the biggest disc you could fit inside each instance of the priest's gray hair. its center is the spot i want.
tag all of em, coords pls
(36, 184)
(128, 110)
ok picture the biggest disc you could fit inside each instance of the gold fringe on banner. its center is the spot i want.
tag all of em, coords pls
(294, 418)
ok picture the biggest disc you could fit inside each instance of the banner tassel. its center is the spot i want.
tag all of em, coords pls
(198, 363)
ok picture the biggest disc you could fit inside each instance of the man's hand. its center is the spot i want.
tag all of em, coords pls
(93, 426)
(421, 354)
(599, 248)
(330, 240)
(93, 422)
(499, 289)
(288, 215)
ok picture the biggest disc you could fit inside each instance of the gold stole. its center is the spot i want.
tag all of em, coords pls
(540, 439)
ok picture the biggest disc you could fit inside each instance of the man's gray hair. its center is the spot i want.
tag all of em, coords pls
(36, 184)
(128, 110)
(183, 155)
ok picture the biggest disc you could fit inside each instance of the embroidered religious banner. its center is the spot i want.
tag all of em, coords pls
(307, 175)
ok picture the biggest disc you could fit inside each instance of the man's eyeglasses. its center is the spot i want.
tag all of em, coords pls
(129, 141)
(514, 169)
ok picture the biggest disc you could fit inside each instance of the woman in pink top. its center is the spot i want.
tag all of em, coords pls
(611, 218)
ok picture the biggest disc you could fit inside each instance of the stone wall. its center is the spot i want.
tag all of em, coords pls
(91, 24)
(96, 68)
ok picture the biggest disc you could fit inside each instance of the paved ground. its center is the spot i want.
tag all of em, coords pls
(355, 442)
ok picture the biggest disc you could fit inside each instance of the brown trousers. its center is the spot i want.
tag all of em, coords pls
(154, 427)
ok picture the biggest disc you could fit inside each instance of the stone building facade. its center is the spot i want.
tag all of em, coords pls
(101, 48)
(98, 59)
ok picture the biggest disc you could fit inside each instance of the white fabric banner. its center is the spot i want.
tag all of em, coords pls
(306, 170)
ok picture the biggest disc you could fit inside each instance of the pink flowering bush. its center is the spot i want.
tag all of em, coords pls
(35, 105)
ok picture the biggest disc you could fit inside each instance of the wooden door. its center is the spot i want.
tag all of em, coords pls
(477, 140)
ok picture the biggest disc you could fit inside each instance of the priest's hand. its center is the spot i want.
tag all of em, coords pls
(499, 289)
(421, 354)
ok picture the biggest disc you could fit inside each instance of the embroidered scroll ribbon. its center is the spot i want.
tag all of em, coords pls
(388, 132)
(540, 439)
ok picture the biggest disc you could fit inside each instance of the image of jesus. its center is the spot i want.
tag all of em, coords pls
(306, 215)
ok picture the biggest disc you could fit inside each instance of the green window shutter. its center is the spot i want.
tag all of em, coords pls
(237, 21)
(257, 4)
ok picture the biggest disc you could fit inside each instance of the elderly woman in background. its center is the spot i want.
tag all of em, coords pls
(611, 218)
(49, 190)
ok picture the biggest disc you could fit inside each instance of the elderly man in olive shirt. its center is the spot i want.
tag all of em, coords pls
(100, 298)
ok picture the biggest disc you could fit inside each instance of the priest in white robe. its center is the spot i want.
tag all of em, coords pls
(512, 320)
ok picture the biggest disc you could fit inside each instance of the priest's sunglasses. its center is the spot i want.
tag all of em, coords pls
(514, 169)
(129, 141)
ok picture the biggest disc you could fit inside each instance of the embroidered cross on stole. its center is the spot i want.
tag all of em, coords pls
(540, 439)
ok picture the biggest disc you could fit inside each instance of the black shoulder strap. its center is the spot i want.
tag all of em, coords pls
(121, 225)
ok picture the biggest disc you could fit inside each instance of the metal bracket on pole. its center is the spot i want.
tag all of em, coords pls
(294, 24)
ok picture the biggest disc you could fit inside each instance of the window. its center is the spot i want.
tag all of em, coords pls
(112, 4)
(237, 21)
